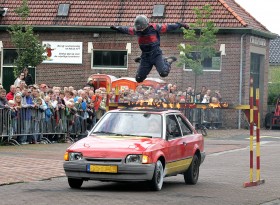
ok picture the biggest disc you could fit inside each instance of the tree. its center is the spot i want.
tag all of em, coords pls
(29, 48)
(201, 37)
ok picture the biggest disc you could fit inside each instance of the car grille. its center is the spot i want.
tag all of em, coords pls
(100, 160)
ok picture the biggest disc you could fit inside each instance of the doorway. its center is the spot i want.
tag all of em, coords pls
(256, 73)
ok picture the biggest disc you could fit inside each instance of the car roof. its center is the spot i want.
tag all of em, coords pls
(147, 109)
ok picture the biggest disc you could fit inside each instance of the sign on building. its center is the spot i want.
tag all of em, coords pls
(63, 52)
(257, 41)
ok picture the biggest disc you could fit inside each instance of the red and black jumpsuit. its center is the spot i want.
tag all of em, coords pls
(149, 42)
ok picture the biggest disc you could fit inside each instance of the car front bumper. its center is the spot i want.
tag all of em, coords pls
(126, 172)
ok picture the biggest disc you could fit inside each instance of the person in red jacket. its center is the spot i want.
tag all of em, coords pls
(149, 41)
(96, 99)
(10, 95)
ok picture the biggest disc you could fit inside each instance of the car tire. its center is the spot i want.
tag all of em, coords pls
(192, 173)
(75, 183)
(157, 181)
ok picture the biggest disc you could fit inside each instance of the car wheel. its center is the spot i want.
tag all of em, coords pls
(75, 183)
(192, 173)
(157, 181)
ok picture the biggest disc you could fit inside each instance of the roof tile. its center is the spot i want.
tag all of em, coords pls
(226, 13)
(274, 51)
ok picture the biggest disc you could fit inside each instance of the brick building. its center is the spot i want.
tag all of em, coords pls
(84, 27)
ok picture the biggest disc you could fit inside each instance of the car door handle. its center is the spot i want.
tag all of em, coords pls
(184, 143)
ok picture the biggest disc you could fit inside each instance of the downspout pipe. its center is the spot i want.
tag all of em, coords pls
(1, 62)
(240, 78)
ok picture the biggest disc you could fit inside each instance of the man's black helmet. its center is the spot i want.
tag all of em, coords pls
(141, 22)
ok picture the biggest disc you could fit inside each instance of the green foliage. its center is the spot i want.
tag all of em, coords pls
(273, 93)
(274, 85)
(201, 39)
(29, 49)
(23, 10)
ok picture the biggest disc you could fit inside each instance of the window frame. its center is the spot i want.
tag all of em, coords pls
(63, 12)
(218, 54)
(183, 124)
(159, 10)
(8, 65)
(11, 66)
(110, 67)
(169, 138)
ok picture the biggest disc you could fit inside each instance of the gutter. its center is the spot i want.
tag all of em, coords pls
(1, 63)
(221, 30)
(64, 28)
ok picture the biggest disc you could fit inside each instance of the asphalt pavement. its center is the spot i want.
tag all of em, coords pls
(34, 162)
(38, 168)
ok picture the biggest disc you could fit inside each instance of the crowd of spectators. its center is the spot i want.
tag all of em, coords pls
(168, 94)
(91, 101)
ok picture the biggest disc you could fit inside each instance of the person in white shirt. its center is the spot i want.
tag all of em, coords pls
(19, 79)
(207, 97)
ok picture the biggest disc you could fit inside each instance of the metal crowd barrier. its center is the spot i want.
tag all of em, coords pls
(210, 118)
(34, 125)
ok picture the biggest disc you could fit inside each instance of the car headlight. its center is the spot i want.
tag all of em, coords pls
(137, 159)
(75, 156)
(134, 159)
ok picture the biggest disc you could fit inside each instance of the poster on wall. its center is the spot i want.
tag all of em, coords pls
(63, 52)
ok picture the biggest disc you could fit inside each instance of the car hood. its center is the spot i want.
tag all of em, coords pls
(113, 146)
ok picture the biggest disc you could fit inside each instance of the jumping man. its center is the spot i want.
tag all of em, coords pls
(149, 41)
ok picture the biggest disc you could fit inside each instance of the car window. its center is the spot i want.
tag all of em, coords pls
(184, 126)
(138, 124)
(109, 122)
(172, 126)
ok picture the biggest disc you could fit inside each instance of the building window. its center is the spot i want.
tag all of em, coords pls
(107, 59)
(158, 10)
(63, 9)
(213, 63)
(9, 57)
(209, 64)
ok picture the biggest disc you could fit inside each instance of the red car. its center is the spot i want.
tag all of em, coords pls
(137, 144)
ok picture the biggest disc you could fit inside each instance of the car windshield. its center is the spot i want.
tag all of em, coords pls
(130, 124)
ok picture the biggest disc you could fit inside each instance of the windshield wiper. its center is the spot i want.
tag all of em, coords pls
(119, 134)
(125, 135)
(103, 132)
(134, 135)
(148, 136)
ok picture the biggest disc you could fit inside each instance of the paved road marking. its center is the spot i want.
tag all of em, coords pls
(264, 137)
(275, 202)
(233, 150)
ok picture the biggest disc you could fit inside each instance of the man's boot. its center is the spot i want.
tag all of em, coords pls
(170, 59)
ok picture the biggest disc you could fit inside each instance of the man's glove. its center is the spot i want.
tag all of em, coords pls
(184, 25)
(113, 28)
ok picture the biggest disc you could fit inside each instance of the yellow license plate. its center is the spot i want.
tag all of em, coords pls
(101, 168)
